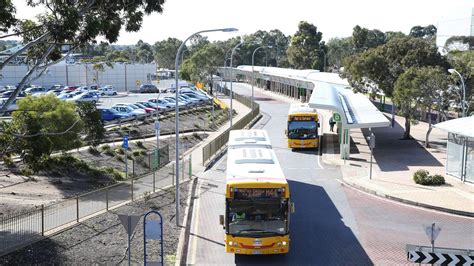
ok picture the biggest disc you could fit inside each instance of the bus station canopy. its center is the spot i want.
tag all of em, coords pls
(461, 126)
(328, 91)
(356, 110)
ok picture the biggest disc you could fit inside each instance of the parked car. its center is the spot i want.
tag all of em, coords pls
(151, 105)
(190, 101)
(162, 103)
(56, 87)
(34, 90)
(202, 99)
(148, 88)
(136, 110)
(147, 109)
(65, 96)
(128, 110)
(109, 114)
(181, 104)
(7, 94)
(107, 90)
(84, 97)
(70, 88)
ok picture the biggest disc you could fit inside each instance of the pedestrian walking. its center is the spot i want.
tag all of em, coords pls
(331, 124)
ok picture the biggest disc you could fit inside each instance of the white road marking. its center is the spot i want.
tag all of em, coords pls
(319, 162)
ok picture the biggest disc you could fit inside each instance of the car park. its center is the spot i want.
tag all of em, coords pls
(148, 88)
(65, 96)
(181, 104)
(85, 97)
(135, 109)
(162, 103)
(201, 99)
(107, 90)
(70, 88)
(147, 109)
(128, 110)
(12, 107)
(109, 114)
(154, 106)
(7, 94)
(56, 87)
(190, 101)
(35, 90)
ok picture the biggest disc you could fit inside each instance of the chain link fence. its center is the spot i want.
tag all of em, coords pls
(20, 229)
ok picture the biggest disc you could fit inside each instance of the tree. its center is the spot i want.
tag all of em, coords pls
(460, 43)
(423, 32)
(305, 47)
(93, 125)
(463, 62)
(338, 50)
(203, 63)
(364, 39)
(76, 23)
(424, 88)
(165, 52)
(7, 15)
(384, 64)
(45, 124)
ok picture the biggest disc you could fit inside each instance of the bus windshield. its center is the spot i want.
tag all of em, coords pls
(257, 217)
(302, 129)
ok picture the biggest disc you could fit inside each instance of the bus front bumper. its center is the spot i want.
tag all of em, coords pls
(303, 143)
(257, 246)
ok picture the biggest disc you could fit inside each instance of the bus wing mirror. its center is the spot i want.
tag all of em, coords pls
(221, 220)
(292, 207)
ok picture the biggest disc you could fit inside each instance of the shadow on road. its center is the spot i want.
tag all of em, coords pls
(394, 154)
(318, 234)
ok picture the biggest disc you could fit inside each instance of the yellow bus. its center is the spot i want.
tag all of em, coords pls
(302, 127)
(257, 204)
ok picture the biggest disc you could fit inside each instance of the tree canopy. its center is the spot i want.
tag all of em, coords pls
(165, 52)
(306, 48)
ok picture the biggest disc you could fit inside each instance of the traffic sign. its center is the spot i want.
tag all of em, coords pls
(125, 142)
(432, 231)
(157, 125)
(439, 256)
(129, 222)
(336, 117)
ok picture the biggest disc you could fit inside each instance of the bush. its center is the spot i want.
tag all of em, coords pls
(437, 180)
(105, 147)
(140, 144)
(142, 152)
(26, 171)
(93, 150)
(117, 175)
(136, 153)
(7, 160)
(423, 177)
(119, 158)
(120, 151)
(109, 152)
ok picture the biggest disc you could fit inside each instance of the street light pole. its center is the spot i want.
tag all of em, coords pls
(231, 70)
(225, 65)
(253, 74)
(463, 102)
(177, 111)
(324, 63)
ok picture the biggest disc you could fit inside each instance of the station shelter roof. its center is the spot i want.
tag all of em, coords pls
(460, 126)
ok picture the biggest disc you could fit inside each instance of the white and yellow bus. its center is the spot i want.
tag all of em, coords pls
(302, 127)
(257, 205)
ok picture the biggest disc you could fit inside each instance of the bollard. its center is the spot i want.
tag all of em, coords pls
(132, 189)
(77, 208)
(42, 219)
(154, 183)
(107, 199)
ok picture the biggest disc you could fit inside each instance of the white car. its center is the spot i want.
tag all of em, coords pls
(84, 97)
(162, 103)
(107, 90)
(136, 110)
(128, 110)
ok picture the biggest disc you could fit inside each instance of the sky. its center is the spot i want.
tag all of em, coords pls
(334, 18)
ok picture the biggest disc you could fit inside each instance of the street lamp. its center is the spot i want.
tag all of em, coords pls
(225, 70)
(231, 91)
(324, 64)
(177, 110)
(253, 57)
(463, 102)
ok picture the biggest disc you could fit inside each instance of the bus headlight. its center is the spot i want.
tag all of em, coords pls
(281, 243)
(231, 243)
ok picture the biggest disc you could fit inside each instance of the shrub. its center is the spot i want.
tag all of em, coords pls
(142, 152)
(109, 152)
(140, 144)
(119, 158)
(26, 171)
(7, 160)
(117, 175)
(437, 180)
(105, 147)
(93, 150)
(120, 150)
(136, 153)
(423, 177)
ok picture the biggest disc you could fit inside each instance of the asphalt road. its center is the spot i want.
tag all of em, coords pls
(332, 225)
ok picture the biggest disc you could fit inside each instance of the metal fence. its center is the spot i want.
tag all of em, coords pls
(20, 229)
(217, 144)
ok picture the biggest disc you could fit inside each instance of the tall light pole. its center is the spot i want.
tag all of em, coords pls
(225, 64)
(177, 111)
(253, 57)
(231, 91)
(324, 63)
(463, 102)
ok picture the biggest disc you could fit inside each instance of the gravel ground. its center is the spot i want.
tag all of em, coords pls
(103, 239)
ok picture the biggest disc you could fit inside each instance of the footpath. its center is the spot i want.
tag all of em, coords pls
(394, 163)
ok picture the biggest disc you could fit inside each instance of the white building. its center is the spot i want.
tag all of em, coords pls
(124, 77)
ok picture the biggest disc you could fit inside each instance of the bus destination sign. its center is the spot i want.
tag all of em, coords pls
(303, 118)
(257, 193)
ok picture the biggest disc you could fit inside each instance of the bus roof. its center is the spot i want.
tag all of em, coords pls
(298, 108)
(249, 138)
(252, 165)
